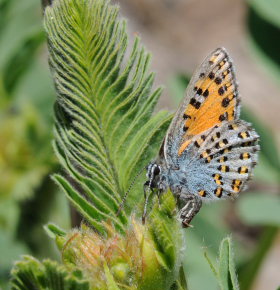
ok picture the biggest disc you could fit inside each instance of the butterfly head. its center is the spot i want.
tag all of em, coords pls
(153, 173)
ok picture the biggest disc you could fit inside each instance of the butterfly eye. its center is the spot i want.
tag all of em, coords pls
(156, 170)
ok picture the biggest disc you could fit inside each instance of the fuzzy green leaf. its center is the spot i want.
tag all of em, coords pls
(167, 236)
(225, 272)
(30, 274)
(105, 132)
(111, 284)
(181, 283)
(54, 231)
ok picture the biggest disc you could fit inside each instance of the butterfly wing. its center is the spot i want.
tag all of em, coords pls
(214, 150)
(211, 98)
(223, 162)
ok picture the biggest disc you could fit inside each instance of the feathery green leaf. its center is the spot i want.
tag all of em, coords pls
(104, 132)
(30, 274)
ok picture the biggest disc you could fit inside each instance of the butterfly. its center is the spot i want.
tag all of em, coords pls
(208, 153)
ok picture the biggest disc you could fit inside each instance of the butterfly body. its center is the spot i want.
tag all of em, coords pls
(208, 152)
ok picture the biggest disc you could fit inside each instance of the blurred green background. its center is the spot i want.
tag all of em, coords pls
(28, 198)
(179, 34)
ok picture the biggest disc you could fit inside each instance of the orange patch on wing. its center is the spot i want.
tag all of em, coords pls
(184, 146)
(219, 102)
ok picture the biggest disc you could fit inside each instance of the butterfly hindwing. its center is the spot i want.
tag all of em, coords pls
(228, 154)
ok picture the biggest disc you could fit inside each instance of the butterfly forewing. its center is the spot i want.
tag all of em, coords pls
(211, 98)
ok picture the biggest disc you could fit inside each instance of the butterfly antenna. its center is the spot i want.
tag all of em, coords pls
(128, 190)
(146, 196)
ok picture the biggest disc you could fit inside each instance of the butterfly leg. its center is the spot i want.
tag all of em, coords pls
(147, 191)
(158, 193)
(192, 205)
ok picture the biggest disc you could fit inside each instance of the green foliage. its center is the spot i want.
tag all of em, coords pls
(10, 247)
(104, 134)
(145, 257)
(30, 274)
(111, 284)
(225, 271)
(104, 131)
(26, 158)
(54, 231)
(166, 234)
(25, 154)
(166, 231)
